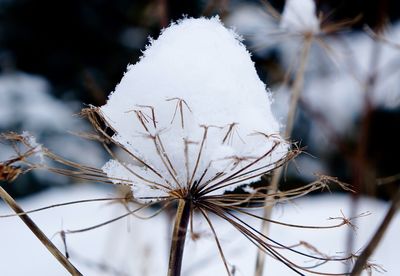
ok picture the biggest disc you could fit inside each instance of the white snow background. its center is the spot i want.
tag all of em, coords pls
(140, 247)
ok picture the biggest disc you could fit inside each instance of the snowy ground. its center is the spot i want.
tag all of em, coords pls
(139, 247)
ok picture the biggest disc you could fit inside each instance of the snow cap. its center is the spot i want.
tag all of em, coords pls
(193, 103)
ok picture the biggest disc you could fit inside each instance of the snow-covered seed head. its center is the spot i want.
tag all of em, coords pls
(299, 16)
(193, 114)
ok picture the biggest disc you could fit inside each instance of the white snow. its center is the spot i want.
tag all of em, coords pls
(196, 74)
(300, 16)
(140, 247)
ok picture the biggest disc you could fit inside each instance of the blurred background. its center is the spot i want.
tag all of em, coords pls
(57, 57)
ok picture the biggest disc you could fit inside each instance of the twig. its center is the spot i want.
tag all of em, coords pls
(38, 233)
(370, 248)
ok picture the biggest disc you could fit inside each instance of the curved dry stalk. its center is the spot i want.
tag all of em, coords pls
(111, 220)
(211, 187)
(62, 204)
(250, 237)
(254, 235)
(315, 227)
(280, 245)
(362, 260)
(221, 253)
(39, 234)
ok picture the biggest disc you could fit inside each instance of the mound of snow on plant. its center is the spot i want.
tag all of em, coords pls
(192, 107)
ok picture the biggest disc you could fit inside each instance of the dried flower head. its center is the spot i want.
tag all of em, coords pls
(194, 120)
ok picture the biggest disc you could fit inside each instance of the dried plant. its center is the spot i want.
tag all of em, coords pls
(172, 164)
(302, 25)
(195, 197)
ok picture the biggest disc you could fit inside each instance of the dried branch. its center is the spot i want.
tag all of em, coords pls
(39, 234)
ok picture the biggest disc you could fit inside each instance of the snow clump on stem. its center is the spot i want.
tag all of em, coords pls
(193, 113)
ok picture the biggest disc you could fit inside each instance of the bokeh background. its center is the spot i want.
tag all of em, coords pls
(59, 56)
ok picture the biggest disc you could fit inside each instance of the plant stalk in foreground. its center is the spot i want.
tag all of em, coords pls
(362, 260)
(38, 233)
(178, 237)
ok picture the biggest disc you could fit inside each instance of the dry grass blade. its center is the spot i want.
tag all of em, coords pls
(39, 234)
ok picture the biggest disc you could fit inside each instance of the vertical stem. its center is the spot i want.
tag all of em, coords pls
(178, 237)
(38, 233)
(296, 90)
(360, 157)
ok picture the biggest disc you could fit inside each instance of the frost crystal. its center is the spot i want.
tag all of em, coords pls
(192, 108)
(300, 16)
(31, 142)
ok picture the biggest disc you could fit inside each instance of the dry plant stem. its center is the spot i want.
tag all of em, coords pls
(362, 260)
(296, 90)
(360, 158)
(38, 233)
(178, 237)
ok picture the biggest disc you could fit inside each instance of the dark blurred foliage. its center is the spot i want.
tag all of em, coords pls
(375, 13)
(83, 48)
(77, 45)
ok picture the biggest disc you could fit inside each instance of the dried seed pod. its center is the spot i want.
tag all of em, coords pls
(9, 173)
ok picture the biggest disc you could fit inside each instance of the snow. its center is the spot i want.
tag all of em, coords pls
(196, 76)
(300, 16)
(140, 247)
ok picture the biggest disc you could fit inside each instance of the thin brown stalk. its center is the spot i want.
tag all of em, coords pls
(203, 140)
(360, 166)
(221, 253)
(296, 91)
(178, 237)
(63, 204)
(39, 234)
(362, 260)
(131, 212)
(258, 239)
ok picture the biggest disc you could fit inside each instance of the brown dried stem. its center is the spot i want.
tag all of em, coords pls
(296, 90)
(362, 260)
(178, 237)
(38, 233)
